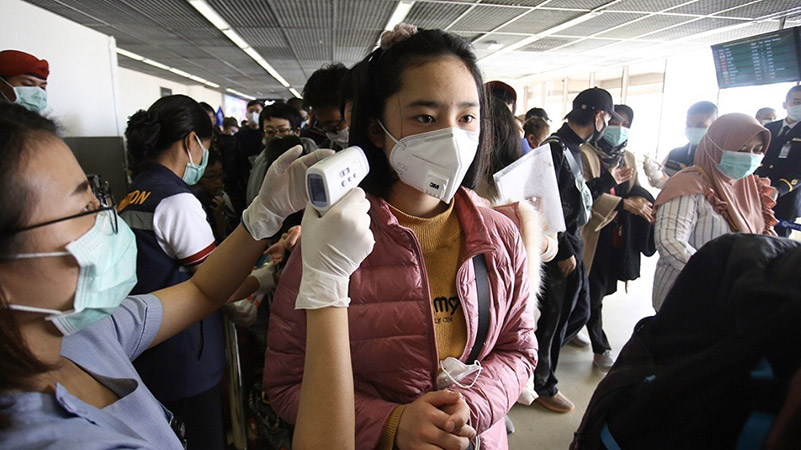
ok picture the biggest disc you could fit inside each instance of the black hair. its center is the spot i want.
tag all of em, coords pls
(507, 146)
(281, 110)
(150, 133)
(536, 112)
(347, 90)
(793, 90)
(535, 125)
(703, 107)
(230, 122)
(255, 102)
(19, 129)
(625, 109)
(206, 107)
(214, 157)
(295, 103)
(381, 77)
(322, 88)
(581, 117)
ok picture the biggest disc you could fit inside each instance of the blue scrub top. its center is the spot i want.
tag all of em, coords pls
(105, 350)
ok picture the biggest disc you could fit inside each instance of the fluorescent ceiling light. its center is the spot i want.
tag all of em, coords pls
(210, 14)
(400, 13)
(570, 23)
(213, 85)
(236, 39)
(398, 16)
(131, 55)
(294, 92)
(494, 45)
(181, 73)
(240, 94)
(156, 64)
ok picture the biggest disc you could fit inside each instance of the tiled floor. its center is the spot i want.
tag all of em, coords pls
(540, 429)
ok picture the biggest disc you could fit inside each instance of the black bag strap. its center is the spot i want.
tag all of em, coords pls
(482, 288)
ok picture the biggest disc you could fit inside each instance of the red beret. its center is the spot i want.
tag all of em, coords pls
(13, 63)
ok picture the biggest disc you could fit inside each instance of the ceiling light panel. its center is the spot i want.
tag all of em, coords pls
(540, 20)
(487, 18)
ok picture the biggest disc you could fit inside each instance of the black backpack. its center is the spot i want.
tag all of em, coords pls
(712, 369)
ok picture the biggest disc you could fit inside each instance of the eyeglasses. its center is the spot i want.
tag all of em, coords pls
(280, 132)
(325, 129)
(110, 210)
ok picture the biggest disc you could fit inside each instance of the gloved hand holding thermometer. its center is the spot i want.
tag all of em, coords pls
(336, 229)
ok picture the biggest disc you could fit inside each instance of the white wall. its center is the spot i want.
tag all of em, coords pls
(138, 90)
(82, 64)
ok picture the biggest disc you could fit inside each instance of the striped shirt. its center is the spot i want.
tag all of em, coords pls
(683, 225)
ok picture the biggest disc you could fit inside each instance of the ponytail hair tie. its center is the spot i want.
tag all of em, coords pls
(401, 32)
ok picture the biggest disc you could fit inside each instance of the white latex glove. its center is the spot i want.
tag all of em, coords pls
(333, 247)
(653, 171)
(282, 193)
(265, 275)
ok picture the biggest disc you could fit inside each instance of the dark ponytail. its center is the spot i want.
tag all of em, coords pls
(150, 133)
(19, 129)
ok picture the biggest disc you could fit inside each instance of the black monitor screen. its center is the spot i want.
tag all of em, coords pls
(768, 58)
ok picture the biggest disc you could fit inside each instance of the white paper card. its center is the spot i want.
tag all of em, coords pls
(530, 176)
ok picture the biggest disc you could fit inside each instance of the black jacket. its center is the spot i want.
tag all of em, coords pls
(570, 243)
(784, 173)
(679, 158)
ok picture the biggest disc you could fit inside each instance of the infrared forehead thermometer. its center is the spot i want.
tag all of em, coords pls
(333, 177)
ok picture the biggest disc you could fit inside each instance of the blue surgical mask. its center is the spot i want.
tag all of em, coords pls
(695, 134)
(615, 135)
(194, 172)
(106, 276)
(738, 165)
(31, 97)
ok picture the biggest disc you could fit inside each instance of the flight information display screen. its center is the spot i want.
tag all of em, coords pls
(768, 58)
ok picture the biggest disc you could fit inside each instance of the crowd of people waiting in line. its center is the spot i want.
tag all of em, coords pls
(413, 315)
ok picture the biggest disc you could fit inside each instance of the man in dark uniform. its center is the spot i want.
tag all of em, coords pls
(699, 117)
(782, 163)
(565, 303)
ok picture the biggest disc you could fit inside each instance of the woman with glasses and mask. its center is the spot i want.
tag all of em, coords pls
(68, 329)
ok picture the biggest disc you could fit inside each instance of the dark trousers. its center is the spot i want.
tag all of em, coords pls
(202, 417)
(598, 284)
(565, 309)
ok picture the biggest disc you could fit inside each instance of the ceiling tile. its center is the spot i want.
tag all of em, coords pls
(540, 20)
(645, 5)
(599, 24)
(434, 15)
(546, 44)
(644, 26)
(690, 28)
(245, 13)
(487, 18)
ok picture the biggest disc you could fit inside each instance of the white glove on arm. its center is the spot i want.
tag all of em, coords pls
(333, 247)
(265, 275)
(282, 192)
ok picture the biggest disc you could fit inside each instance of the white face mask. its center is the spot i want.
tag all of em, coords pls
(435, 162)
(794, 112)
(453, 371)
(340, 137)
(253, 117)
(695, 134)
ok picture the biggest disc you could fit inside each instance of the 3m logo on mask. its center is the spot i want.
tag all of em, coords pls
(433, 185)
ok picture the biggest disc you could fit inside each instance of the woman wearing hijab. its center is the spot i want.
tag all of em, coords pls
(715, 196)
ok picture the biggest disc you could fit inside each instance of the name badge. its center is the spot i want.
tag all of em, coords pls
(785, 150)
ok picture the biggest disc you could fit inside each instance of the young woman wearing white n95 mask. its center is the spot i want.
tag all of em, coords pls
(415, 314)
(68, 333)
